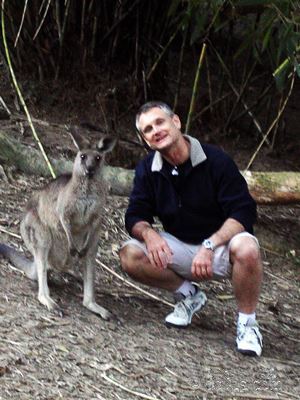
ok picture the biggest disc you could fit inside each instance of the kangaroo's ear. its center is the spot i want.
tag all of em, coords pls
(79, 140)
(106, 144)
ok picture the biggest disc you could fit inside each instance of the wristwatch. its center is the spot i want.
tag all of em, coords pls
(208, 244)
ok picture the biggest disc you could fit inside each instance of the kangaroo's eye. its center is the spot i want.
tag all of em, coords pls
(83, 156)
(98, 158)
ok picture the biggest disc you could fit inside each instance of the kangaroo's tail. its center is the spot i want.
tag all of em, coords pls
(18, 260)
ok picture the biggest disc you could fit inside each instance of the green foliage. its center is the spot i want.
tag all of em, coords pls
(269, 29)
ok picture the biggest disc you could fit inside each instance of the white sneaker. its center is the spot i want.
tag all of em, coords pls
(249, 338)
(185, 309)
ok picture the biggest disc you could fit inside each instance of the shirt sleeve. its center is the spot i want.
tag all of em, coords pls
(233, 195)
(141, 202)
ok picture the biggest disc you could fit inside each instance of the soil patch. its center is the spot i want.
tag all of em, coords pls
(134, 355)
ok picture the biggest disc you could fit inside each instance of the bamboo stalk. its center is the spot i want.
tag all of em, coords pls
(22, 22)
(62, 37)
(58, 22)
(153, 68)
(82, 22)
(20, 94)
(272, 124)
(195, 88)
(239, 96)
(42, 21)
(180, 69)
(211, 102)
(233, 88)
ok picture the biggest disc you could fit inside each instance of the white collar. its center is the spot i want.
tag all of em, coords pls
(197, 155)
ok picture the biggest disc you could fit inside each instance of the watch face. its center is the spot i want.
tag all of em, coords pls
(208, 244)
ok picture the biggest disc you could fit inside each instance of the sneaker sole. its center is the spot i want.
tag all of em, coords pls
(170, 325)
(250, 353)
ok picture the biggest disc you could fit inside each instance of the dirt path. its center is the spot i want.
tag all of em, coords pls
(134, 356)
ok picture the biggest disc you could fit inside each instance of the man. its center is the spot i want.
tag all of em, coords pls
(207, 215)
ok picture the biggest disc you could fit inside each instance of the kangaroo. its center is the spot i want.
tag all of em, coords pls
(63, 220)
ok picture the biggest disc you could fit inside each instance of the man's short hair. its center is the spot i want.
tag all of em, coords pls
(148, 106)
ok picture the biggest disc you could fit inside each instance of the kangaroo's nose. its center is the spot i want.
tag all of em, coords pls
(90, 172)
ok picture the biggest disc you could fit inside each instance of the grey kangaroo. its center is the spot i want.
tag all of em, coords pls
(63, 220)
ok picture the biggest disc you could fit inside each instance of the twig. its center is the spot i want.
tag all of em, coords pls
(82, 22)
(276, 277)
(142, 395)
(180, 69)
(253, 396)
(133, 285)
(20, 94)
(119, 20)
(10, 233)
(195, 88)
(96, 389)
(5, 106)
(273, 123)
(153, 68)
(245, 105)
(209, 106)
(21, 24)
(42, 21)
(287, 362)
(62, 38)
(239, 97)
(289, 394)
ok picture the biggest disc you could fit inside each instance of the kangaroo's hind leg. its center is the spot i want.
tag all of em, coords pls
(38, 240)
(89, 287)
(41, 262)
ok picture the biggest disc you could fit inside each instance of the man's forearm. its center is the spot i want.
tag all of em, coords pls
(230, 228)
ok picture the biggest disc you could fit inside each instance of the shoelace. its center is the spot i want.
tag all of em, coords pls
(250, 334)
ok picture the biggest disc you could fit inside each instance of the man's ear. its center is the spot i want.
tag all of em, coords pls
(176, 121)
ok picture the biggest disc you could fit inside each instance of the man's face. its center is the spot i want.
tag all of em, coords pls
(159, 130)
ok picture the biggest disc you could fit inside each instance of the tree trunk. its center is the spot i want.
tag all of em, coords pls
(272, 188)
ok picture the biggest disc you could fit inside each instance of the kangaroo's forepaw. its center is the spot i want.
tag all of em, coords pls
(73, 251)
(95, 308)
(82, 252)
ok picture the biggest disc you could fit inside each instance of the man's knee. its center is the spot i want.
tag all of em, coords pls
(131, 257)
(245, 251)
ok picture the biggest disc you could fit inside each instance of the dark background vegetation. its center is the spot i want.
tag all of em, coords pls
(100, 60)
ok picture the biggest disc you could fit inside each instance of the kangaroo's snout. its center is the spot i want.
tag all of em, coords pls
(90, 163)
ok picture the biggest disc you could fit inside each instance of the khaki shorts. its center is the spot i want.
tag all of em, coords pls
(184, 253)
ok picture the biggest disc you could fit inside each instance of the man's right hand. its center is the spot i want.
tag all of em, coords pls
(159, 252)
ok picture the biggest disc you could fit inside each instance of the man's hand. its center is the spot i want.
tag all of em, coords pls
(159, 252)
(202, 264)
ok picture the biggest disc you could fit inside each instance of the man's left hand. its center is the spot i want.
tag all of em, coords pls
(202, 264)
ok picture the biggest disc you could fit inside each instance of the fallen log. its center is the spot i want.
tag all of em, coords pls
(269, 188)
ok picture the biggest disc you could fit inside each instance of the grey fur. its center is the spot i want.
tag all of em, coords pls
(62, 221)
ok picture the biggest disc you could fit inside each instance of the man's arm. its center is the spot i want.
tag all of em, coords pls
(239, 210)
(159, 253)
(230, 228)
(202, 262)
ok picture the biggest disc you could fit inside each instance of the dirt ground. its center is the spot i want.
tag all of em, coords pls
(134, 355)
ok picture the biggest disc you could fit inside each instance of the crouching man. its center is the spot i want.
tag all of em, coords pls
(207, 214)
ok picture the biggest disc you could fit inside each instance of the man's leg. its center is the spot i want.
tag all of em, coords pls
(246, 273)
(137, 265)
(247, 279)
